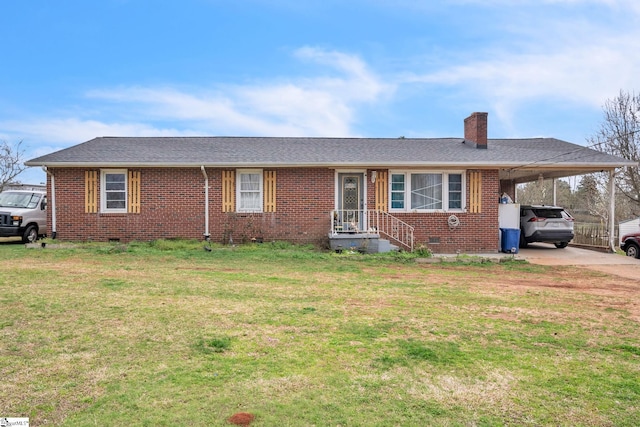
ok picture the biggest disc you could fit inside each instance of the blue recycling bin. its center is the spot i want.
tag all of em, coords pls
(510, 241)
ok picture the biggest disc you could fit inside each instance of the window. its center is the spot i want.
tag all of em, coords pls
(113, 194)
(249, 191)
(427, 191)
(397, 191)
(455, 191)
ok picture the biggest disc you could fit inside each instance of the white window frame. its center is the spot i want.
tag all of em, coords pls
(104, 191)
(445, 190)
(239, 191)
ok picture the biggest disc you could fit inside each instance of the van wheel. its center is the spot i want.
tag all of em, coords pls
(30, 235)
(561, 245)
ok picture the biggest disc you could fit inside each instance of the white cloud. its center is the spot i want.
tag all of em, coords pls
(317, 106)
(569, 60)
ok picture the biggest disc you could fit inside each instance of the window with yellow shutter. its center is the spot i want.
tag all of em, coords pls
(119, 191)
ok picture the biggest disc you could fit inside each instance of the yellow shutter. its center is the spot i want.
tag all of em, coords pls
(228, 191)
(382, 191)
(270, 191)
(91, 191)
(134, 192)
(475, 192)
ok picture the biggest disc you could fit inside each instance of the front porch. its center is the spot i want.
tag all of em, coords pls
(369, 231)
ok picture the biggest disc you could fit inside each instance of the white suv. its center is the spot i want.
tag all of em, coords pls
(550, 224)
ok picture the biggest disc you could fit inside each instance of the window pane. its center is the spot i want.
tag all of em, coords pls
(397, 200)
(397, 182)
(114, 186)
(250, 201)
(455, 191)
(115, 196)
(115, 182)
(117, 204)
(114, 177)
(249, 182)
(426, 191)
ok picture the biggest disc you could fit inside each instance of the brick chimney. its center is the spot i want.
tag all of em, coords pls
(475, 129)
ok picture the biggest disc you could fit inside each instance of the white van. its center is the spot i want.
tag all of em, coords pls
(23, 213)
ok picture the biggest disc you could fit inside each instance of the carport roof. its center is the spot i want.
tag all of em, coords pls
(520, 160)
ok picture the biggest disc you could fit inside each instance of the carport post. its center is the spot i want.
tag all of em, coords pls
(612, 209)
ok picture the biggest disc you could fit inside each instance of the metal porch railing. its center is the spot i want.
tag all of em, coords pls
(373, 222)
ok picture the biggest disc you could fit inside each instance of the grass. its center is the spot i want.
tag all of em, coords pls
(167, 333)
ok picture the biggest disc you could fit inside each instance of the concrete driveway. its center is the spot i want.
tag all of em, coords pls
(547, 254)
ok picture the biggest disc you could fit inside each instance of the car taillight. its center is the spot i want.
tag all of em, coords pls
(537, 219)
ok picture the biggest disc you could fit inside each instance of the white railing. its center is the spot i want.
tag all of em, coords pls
(373, 222)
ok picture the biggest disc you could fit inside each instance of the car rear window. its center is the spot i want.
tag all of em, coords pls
(548, 213)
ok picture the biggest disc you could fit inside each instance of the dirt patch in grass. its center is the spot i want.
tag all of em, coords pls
(241, 419)
(619, 295)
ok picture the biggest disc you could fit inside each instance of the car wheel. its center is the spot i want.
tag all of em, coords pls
(633, 250)
(561, 245)
(30, 234)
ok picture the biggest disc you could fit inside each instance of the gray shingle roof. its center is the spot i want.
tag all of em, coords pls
(335, 152)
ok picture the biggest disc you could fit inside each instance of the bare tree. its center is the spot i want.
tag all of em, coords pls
(11, 163)
(541, 193)
(592, 196)
(619, 134)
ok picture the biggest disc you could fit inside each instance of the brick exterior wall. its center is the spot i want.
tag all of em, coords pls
(173, 206)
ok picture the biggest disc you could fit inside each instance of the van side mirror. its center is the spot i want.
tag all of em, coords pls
(43, 203)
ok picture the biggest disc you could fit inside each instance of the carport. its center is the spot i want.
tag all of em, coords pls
(555, 161)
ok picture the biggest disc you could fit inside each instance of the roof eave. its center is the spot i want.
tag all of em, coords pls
(488, 165)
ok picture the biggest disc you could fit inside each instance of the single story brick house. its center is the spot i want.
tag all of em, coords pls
(439, 192)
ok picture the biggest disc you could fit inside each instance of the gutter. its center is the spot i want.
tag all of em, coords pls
(207, 236)
(460, 164)
(53, 202)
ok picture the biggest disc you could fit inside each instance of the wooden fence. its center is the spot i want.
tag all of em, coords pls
(592, 235)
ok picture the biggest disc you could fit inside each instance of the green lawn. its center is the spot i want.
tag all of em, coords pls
(169, 334)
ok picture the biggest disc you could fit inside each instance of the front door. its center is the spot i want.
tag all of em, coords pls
(351, 201)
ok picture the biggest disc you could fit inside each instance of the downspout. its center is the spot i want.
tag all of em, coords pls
(53, 202)
(206, 203)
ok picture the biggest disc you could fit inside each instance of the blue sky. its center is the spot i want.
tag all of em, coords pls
(72, 70)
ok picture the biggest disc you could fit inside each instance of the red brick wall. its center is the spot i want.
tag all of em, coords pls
(304, 201)
(172, 205)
